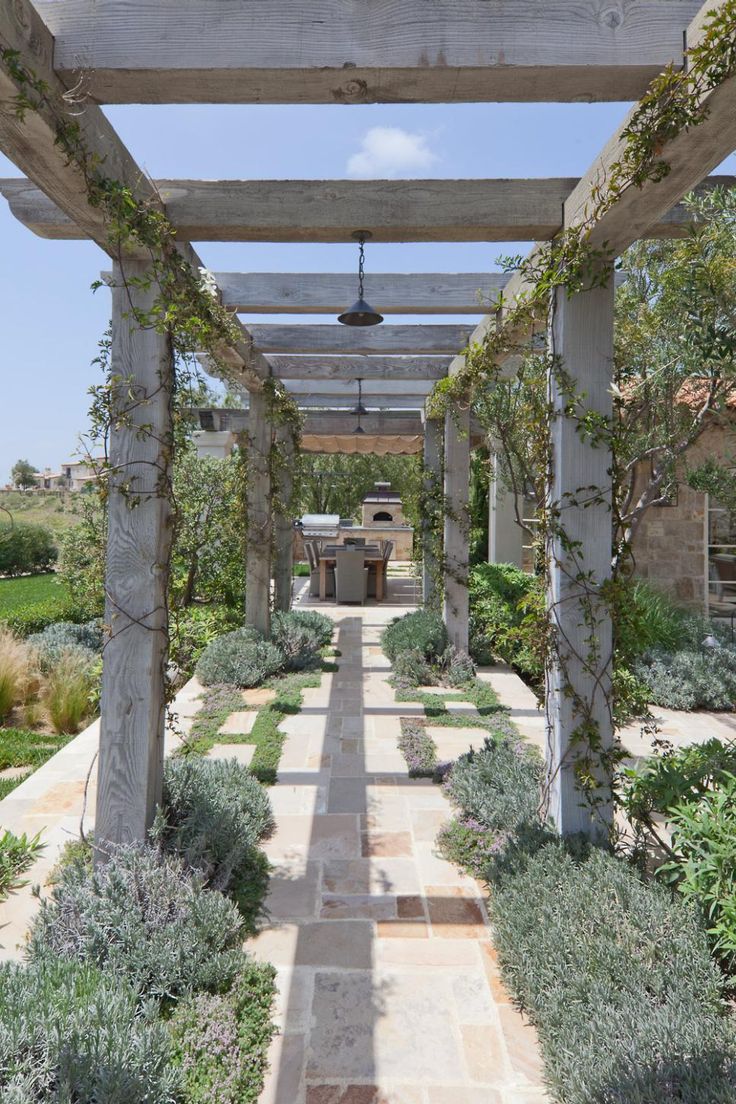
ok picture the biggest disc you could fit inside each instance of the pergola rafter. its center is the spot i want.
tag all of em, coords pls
(331, 210)
(428, 51)
(402, 51)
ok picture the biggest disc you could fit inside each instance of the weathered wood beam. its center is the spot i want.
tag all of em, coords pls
(347, 389)
(358, 367)
(387, 423)
(432, 537)
(330, 292)
(136, 574)
(31, 143)
(355, 340)
(456, 561)
(331, 210)
(257, 432)
(283, 529)
(397, 51)
(373, 402)
(579, 554)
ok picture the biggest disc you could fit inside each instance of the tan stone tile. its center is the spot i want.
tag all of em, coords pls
(473, 1000)
(363, 1094)
(426, 823)
(393, 845)
(454, 915)
(460, 1094)
(239, 724)
(285, 1079)
(242, 753)
(328, 836)
(493, 974)
(522, 1044)
(441, 954)
(386, 877)
(402, 929)
(381, 1030)
(347, 795)
(435, 871)
(259, 695)
(485, 1053)
(294, 893)
(345, 944)
(357, 907)
(293, 1002)
(410, 907)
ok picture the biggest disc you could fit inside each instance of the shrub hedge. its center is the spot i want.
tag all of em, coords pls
(615, 973)
(69, 1032)
(422, 631)
(240, 658)
(36, 616)
(26, 549)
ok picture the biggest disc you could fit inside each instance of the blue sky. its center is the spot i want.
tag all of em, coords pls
(50, 321)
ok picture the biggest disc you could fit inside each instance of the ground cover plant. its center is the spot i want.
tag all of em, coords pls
(615, 974)
(214, 814)
(150, 926)
(28, 590)
(71, 1032)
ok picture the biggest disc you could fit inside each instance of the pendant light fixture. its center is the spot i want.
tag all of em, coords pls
(361, 313)
(360, 410)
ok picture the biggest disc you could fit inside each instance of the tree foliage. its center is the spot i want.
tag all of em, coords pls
(333, 484)
(22, 474)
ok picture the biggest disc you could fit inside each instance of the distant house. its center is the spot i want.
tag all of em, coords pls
(75, 475)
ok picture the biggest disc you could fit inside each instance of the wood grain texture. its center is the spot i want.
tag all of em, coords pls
(347, 389)
(283, 528)
(389, 293)
(581, 490)
(331, 210)
(457, 527)
(137, 572)
(358, 367)
(365, 51)
(387, 423)
(31, 143)
(365, 341)
(431, 561)
(258, 432)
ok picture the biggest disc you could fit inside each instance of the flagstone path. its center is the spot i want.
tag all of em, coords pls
(388, 987)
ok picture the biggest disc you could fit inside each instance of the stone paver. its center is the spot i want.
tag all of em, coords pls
(239, 724)
(388, 991)
(242, 752)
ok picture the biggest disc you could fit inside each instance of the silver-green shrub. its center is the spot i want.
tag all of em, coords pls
(422, 629)
(239, 658)
(214, 813)
(321, 625)
(70, 1033)
(65, 636)
(691, 679)
(411, 668)
(298, 641)
(144, 917)
(499, 785)
(617, 977)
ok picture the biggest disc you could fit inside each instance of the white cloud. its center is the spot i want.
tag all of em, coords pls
(390, 152)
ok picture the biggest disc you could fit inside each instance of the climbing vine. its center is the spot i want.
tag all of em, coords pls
(543, 392)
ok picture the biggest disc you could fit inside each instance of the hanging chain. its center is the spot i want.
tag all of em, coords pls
(361, 266)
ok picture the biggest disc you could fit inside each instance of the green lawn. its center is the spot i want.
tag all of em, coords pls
(27, 591)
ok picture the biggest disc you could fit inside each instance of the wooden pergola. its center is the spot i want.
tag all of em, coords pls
(95, 52)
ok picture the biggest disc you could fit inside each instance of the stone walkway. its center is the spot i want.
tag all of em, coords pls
(389, 990)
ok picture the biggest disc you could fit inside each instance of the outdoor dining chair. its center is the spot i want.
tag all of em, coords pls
(351, 575)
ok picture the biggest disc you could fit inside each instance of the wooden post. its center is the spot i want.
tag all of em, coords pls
(282, 522)
(258, 492)
(579, 675)
(137, 570)
(431, 534)
(457, 482)
(504, 532)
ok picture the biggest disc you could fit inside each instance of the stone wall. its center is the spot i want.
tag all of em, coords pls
(670, 546)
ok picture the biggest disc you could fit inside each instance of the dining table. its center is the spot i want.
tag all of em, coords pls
(372, 555)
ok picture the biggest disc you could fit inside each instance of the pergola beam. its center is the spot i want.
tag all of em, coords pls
(31, 143)
(331, 210)
(388, 292)
(358, 367)
(322, 422)
(398, 51)
(364, 341)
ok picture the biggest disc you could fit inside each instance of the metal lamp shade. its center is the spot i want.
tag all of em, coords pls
(360, 314)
